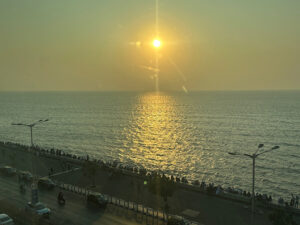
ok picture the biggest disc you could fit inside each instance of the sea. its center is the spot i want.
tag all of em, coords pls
(177, 133)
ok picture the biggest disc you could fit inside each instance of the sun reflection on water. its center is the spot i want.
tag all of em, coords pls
(156, 134)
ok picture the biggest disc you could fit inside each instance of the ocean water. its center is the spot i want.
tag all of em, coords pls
(181, 134)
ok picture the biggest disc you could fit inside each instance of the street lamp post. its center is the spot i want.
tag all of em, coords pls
(30, 126)
(253, 157)
(34, 188)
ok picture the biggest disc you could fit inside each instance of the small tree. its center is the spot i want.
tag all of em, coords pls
(12, 158)
(282, 217)
(162, 186)
(90, 170)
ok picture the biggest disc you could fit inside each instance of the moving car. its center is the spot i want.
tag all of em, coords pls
(38, 209)
(6, 220)
(25, 175)
(8, 170)
(97, 200)
(46, 182)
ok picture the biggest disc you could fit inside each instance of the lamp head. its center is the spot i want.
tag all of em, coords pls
(231, 153)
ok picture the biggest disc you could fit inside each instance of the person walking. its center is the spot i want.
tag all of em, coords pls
(297, 201)
(292, 202)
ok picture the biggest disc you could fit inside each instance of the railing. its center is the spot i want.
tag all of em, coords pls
(69, 158)
(139, 208)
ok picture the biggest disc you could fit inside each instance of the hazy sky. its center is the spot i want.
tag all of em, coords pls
(207, 44)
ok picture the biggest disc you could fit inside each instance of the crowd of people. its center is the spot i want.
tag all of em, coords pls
(294, 202)
(117, 167)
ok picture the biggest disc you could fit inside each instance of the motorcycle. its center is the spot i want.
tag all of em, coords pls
(22, 188)
(61, 201)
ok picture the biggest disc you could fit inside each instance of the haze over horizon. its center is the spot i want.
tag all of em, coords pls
(95, 46)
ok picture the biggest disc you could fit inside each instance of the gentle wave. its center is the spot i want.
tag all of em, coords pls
(185, 135)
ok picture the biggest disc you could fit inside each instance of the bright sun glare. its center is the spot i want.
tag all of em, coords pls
(156, 43)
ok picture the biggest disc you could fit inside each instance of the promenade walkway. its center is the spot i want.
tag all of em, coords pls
(211, 210)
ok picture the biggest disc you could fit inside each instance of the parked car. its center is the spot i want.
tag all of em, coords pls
(25, 175)
(8, 170)
(38, 209)
(97, 200)
(46, 182)
(6, 220)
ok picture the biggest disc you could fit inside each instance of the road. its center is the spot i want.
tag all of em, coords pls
(74, 212)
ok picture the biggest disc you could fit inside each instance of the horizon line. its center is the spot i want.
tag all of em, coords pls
(203, 90)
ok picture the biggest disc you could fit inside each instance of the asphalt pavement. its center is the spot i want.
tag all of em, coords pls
(74, 211)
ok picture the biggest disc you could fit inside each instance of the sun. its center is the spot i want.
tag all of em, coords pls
(156, 43)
